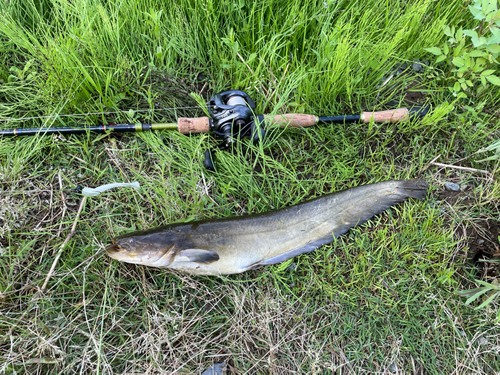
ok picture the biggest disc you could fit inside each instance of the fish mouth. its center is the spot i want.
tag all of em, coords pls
(113, 248)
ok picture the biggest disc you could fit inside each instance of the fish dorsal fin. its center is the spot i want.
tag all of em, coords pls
(197, 255)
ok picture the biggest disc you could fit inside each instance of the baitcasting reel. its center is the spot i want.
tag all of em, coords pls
(232, 117)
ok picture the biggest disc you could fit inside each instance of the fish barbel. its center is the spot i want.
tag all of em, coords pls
(237, 244)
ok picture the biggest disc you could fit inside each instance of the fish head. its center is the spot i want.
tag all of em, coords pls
(157, 250)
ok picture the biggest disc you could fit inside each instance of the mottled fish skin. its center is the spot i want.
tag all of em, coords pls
(234, 245)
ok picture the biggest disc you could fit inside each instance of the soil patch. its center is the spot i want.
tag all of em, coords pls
(482, 238)
(484, 248)
(452, 197)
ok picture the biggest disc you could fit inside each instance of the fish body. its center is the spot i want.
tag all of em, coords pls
(237, 244)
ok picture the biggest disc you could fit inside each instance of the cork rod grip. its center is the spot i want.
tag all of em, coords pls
(193, 125)
(295, 120)
(392, 115)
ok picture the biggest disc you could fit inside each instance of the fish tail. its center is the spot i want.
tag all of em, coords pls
(403, 190)
(388, 196)
(412, 188)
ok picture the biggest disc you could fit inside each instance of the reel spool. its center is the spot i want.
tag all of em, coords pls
(232, 117)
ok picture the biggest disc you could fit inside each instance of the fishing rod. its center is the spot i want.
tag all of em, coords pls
(232, 116)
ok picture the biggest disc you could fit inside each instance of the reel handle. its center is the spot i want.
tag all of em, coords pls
(296, 120)
(396, 115)
(193, 125)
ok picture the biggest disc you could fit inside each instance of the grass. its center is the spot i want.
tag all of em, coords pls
(380, 299)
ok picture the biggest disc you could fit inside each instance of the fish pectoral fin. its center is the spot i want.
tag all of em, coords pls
(198, 256)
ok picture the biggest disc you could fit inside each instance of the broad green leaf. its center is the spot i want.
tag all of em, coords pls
(456, 87)
(446, 49)
(490, 7)
(483, 80)
(475, 41)
(468, 62)
(480, 42)
(478, 15)
(481, 61)
(159, 52)
(447, 30)
(493, 48)
(458, 48)
(495, 38)
(374, 64)
(441, 58)
(484, 5)
(493, 16)
(469, 83)
(495, 30)
(434, 50)
(487, 72)
(471, 33)
(458, 61)
(476, 53)
(493, 79)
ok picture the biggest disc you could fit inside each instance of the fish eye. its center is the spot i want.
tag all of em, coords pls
(131, 241)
